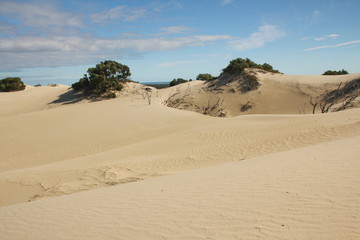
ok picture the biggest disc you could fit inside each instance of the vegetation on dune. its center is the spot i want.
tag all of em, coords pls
(248, 82)
(332, 72)
(235, 72)
(244, 81)
(11, 84)
(205, 77)
(102, 80)
(238, 65)
(178, 81)
(338, 99)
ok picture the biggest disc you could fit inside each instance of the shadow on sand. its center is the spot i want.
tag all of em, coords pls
(68, 98)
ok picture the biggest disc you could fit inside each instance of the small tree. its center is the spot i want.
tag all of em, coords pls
(267, 67)
(177, 81)
(332, 72)
(11, 84)
(205, 77)
(104, 77)
(238, 66)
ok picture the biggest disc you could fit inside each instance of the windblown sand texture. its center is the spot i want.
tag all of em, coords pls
(155, 172)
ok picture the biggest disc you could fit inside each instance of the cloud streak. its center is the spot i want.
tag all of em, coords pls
(258, 39)
(121, 13)
(24, 52)
(41, 35)
(332, 46)
(329, 36)
(176, 30)
(39, 15)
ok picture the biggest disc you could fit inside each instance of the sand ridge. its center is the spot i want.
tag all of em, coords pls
(306, 193)
(154, 172)
(158, 144)
(277, 94)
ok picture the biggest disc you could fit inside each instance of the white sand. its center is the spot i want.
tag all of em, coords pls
(277, 94)
(307, 193)
(246, 177)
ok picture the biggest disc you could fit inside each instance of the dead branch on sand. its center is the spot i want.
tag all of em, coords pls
(344, 95)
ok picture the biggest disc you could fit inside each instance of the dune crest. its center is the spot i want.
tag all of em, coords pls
(151, 171)
(230, 95)
(307, 193)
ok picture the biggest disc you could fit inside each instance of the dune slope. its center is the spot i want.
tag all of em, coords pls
(34, 99)
(85, 146)
(187, 175)
(306, 193)
(277, 94)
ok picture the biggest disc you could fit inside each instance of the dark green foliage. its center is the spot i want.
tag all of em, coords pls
(177, 81)
(238, 65)
(110, 95)
(331, 72)
(248, 82)
(11, 84)
(267, 67)
(104, 77)
(205, 77)
(343, 97)
(351, 88)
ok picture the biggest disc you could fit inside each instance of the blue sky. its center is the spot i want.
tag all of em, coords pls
(54, 41)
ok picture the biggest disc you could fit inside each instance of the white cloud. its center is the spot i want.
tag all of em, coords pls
(306, 38)
(24, 52)
(329, 36)
(224, 2)
(76, 44)
(119, 13)
(39, 15)
(176, 29)
(266, 33)
(333, 46)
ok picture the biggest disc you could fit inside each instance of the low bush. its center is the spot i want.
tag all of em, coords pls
(238, 66)
(177, 81)
(205, 77)
(11, 84)
(103, 79)
(248, 82)
(332, 72)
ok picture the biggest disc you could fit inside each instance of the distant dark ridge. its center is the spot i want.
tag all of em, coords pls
(157, 85)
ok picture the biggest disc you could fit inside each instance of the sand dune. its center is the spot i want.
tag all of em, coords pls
(32, 99)
(69, 149)
(277, 94)
(307, 193)
(187, 175)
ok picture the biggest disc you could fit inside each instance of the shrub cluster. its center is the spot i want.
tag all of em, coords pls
(332, 72)
(11, 84)
(205, 77)
(238, 66)
(248, 82)
(105, 77)
(177, 81)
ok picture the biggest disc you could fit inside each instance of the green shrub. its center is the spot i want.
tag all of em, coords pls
(105, 77)
(11, 84)
(177, 81)
(248, 82)
(110, 95)
(238, 66)
(332, 72)
(205, 77)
